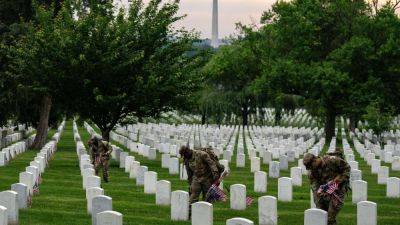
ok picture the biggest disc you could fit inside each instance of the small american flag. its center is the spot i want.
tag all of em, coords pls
(249, 201)
(332, 187)
(36, 189)
(215, 194)
(329, 188)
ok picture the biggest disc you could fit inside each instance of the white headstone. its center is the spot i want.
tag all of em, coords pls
(260, 182)
(359, 191)
(255, 164)
(202, 213)
(134, 169)
(90, 194)
(3, 215)
(315, 217)
(152, 154)
(93, 181)
(366, 213)
(179, 206)
(283, 162)
(273, 169)
(393, 187)
(140, 175)
(267, 157)
(122, 157)
(396, 163)
(267, 211)
(375, 165)
(238, 197)
(225, 163)
(285, 189)
(128, 163)
(355, 175)
(383, 174)
(173, 166)
(165, 160)
(353, 165)
(183, 172)
(109, 218)
(240, 160)
(296, 175)
(22, 190)
(27, 179)
(9, 200)
(239, 221)
(85, 174)
(150, 182)
(163, 192)
(100, 204)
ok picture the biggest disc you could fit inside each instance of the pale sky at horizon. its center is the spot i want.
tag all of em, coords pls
(230, 12)
(199, 14)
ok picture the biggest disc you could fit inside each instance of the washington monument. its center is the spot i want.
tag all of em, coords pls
(214, 34)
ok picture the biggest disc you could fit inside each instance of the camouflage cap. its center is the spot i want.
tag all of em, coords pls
(183, 150)
(308, 159)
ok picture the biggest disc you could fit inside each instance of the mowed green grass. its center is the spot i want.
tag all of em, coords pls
(62, 199)
(9, 174)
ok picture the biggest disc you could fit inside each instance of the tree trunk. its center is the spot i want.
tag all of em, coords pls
(42, 128)
(105, 134)
(278, 116)
(203, 118)
(353, 123)
(330, 118)
(245, 115)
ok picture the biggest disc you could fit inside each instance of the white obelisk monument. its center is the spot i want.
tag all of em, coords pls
(214, 34)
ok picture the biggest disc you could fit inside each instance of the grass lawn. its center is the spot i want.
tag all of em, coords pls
(62, 199)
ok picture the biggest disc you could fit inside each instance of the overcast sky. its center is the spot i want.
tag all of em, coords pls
(230, 11)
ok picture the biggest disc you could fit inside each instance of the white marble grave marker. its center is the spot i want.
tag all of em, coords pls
(238, 197)
(285, 189)
(315, 217)
(267, 210)
(202, 213)
(179, 206)
(260, 182)
(366, 213)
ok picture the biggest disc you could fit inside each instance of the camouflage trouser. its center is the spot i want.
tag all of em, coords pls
(330, 205)
(98, 163)
(197, 187)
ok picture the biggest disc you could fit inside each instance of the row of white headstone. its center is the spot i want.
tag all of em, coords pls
(392, 183)
(202, 211)
(99, 206)
(20, 195)
(12, 151)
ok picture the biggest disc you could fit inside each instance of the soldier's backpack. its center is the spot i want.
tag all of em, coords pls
(214, 157)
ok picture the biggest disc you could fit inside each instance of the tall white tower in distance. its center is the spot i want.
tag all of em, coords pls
(214, 33)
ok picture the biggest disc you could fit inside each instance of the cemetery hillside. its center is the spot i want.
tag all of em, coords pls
(114, 113)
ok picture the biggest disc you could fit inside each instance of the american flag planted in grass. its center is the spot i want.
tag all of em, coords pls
(215, 194)
(249, 201)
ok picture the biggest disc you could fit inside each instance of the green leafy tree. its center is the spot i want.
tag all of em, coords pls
(129, 64)
(379, 119)
(37, 68)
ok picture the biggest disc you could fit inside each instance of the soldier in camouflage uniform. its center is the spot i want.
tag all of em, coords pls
(100, 152)
(322, 171)
(202, 171)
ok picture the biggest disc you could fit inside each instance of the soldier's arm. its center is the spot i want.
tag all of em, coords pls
(344, 173)
(189, 172)
(212, 165)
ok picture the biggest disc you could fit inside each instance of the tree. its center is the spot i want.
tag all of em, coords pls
(305, 34)
(129, 64)
(234, 68)
(37, 68)
(378, 120)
